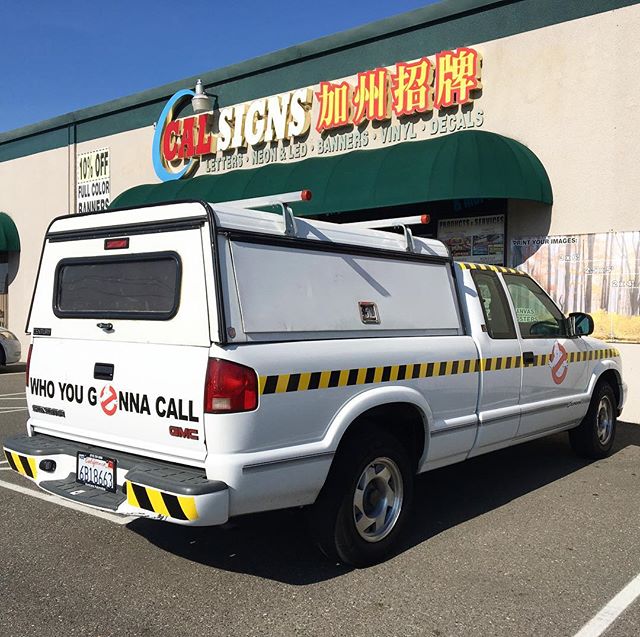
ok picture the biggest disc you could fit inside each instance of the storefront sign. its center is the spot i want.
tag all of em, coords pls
(329, 118)
(93, 179)
(594, 273)
(476, 239)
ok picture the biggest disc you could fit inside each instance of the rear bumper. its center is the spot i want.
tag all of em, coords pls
(145, 488)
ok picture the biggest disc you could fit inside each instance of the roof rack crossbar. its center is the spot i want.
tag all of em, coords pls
(269, 200)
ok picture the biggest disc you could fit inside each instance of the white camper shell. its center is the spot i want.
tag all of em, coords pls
(193, 362)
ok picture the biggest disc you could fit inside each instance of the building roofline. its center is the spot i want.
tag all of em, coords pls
(404, 22)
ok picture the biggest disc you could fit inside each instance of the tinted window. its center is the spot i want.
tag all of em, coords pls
(497, 314)
(136, 286)
(536, 313)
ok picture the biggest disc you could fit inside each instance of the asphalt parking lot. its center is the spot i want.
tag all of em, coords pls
(526, 541)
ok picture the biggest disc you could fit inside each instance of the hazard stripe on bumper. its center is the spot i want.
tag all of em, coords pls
(306, 381)
(25, 465)
(178, 507)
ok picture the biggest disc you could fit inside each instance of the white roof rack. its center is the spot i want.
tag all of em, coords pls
(269, 200)
(390, 223)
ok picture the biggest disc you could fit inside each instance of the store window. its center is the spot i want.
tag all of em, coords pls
(4, 288)
(476, 239)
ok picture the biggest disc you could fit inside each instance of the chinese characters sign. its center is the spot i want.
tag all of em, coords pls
(594, 273)
(406, 90)
(333, 116)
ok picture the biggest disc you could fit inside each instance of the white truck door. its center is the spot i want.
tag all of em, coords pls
(495, 334)
(551, 385)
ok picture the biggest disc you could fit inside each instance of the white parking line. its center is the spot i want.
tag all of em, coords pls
(12, 374)
(10, 411)
(612, 610)
(117, 519)
(15, 393)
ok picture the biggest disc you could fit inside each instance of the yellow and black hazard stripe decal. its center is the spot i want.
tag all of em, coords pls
(179, 507)
(593, 355)
(306, 381)
(491, 268)
(26, 465)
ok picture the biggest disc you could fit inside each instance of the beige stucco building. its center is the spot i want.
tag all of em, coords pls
(511, 125)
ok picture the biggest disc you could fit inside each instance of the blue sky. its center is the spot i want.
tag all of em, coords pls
(59, 56)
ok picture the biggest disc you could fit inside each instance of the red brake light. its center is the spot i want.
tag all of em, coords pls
(116, 244)
(229, 387)
(26, 370)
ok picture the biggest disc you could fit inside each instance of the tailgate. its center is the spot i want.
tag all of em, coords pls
(122, 336)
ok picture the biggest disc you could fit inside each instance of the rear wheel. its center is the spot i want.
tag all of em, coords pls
(595, 435)
(362, 508)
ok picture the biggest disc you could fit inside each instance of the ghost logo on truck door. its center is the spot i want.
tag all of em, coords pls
(108, 400)
(559, 363)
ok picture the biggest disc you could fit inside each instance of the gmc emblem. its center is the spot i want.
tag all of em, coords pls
(183, 432)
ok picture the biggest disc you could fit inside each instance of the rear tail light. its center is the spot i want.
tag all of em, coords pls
(26, 371)
(229, 387)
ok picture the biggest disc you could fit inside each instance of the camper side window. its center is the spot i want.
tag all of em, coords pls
(142, 286)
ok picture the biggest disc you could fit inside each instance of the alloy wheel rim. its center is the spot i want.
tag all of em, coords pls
(604, 420)
(377, 499)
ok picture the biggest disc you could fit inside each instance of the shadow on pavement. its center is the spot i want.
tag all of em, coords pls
(276, 545)
(12, 369)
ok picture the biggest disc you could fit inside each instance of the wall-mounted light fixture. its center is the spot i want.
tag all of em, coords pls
(201, 102)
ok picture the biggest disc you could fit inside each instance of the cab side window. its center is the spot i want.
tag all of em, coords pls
(497, 315)
(536, 313)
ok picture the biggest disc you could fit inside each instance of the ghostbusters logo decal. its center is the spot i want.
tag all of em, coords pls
(559, 363)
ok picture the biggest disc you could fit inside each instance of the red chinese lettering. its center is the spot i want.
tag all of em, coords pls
(335, 105)
(457, 74)
(411, 88)
(371, 97)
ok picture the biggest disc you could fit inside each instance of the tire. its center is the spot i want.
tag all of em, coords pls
(364, 503)
(595, 435)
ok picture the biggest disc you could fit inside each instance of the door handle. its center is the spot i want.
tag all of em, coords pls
(103, 371)
(528, 358)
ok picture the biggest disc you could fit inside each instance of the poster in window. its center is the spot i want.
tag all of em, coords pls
(594, 273)
(477, 239)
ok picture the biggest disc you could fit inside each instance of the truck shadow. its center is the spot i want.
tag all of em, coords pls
(276, 545)
(13, 368)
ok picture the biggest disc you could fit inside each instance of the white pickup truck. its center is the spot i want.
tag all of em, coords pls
(193, 362)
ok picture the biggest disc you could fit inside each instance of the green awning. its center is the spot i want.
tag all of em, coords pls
(464, 165)
(9, 238)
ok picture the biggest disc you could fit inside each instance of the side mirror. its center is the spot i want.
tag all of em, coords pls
(580, 324)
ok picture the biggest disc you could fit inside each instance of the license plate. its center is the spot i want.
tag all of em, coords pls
(96, 471)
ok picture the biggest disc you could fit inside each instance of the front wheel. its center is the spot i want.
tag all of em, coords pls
(595, 435)
(362, 507)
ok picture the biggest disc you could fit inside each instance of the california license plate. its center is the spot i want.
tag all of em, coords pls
(96, 471)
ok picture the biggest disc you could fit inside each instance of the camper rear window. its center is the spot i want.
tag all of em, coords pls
(142, 286)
